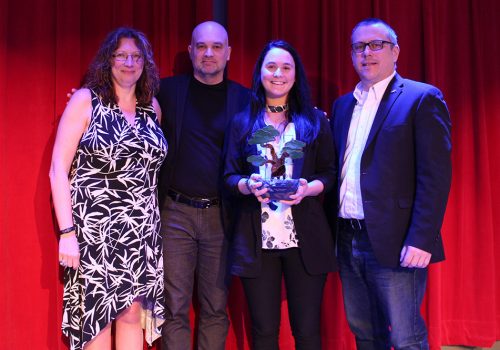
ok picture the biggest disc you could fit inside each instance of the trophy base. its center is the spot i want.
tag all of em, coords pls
(280, 189)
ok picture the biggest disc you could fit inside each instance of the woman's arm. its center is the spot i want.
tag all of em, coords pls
(73, 123)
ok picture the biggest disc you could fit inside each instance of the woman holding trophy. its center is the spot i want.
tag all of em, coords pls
(280, 158)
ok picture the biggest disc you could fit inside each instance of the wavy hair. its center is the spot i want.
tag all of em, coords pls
(300, 108)
(98, 76)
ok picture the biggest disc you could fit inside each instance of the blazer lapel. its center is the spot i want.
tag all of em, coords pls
(394, 89)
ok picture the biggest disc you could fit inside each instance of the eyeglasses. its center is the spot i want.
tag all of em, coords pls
(122, 56)
(374, 45)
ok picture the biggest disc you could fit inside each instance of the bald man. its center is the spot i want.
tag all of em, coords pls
(196, 109)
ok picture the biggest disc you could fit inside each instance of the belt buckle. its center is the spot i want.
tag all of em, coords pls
(205, 203)
(356, 224)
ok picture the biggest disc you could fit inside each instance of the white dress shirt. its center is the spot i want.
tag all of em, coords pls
(351, 203)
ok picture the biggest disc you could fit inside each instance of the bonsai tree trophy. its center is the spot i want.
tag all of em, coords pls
(277, 181)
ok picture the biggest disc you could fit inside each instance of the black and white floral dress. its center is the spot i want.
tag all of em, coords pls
(115, 209)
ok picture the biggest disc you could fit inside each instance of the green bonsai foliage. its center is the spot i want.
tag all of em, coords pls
(262, 137)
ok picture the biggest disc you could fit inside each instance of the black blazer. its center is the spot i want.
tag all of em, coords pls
(172, 100)
(405, 168)
(315, 238)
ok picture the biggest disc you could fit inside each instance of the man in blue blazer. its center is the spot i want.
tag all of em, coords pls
(392, 136)
(196, 111)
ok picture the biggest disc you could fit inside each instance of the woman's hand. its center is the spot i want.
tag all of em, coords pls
(69, 251)
(254, 185)
(302, 191)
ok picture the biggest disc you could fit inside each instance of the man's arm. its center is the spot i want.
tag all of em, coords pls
(432, 130)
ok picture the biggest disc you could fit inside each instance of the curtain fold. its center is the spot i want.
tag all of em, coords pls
(46, 46)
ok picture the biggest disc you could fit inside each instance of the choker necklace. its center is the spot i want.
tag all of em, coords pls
(277, 109)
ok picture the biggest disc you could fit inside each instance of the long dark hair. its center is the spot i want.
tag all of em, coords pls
(98, 76)
(300, 108)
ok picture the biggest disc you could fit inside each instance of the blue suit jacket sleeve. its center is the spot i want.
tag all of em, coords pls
(432, 128)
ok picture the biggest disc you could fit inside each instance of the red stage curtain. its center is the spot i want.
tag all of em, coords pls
(45, 47)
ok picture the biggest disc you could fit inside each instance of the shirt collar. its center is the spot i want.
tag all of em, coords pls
(377, 90)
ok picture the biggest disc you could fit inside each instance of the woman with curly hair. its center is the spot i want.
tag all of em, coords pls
(104, 173)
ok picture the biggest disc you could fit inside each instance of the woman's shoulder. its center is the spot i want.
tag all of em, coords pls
(155, 104)
(82, 95)
(80, 101)
(78, 111)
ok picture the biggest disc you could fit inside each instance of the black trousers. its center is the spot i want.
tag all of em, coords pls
(304, 294)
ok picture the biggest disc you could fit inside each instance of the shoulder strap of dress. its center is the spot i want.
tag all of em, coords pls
(95, 99)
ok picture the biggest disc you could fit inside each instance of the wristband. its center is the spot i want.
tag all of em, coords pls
(67, 230)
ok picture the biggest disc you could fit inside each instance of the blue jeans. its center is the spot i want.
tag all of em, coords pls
(304, 293)
(382, 304)
(194, 249)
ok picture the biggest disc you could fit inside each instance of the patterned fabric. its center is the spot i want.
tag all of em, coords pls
(278, 228)
(115, 209)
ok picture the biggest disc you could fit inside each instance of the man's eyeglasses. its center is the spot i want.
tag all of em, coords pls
(374, 45)
(122, 57)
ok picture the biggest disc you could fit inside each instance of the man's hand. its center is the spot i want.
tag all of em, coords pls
(69, 94)
(414, 257)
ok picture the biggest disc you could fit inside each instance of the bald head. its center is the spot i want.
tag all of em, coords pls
(207, 27)
(209, 52)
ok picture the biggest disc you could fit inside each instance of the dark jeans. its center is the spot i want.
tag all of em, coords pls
(304, 293)
(382, 304)
(194, 248)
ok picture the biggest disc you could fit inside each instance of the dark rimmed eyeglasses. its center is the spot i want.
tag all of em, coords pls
(374, 45)
(122, 56)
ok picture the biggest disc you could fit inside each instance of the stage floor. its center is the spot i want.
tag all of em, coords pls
(496, 346)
